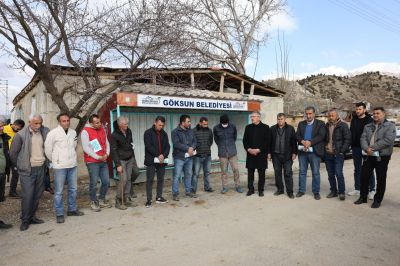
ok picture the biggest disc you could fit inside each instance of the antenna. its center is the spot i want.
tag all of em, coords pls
(4, 91)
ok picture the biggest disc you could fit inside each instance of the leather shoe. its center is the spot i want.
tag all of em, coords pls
(299, 194)
(36, 220)
(277, 193)
(3, 225)
(60, 219)
(261, 194)
(24, 226)
(249, 193)
(75, 213)
(375, 205)
(360, 201)
(317, 196)
(332, 195)
(290, 195)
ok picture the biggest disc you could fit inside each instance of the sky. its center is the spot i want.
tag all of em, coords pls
(324, 36)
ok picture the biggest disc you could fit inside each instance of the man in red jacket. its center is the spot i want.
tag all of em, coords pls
(96, 150)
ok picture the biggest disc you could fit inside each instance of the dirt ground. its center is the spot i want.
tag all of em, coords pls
(216, 229)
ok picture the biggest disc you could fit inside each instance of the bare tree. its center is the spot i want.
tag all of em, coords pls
(135, 33)
(229, 32)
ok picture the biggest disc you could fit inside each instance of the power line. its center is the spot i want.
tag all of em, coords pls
(367, 15)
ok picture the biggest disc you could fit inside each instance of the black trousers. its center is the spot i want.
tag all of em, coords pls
(2, 186)
(150, 172)
(369, 164)
(281, 164)
(14, 179)
(250, 179)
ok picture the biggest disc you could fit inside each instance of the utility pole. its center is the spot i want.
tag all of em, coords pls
(4, 91)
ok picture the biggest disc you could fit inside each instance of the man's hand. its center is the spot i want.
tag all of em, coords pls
(119, 169)
(190, 151)
(306, 143)
(370, 151)
(161, 158)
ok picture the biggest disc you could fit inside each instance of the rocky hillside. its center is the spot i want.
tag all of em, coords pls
(330, 90)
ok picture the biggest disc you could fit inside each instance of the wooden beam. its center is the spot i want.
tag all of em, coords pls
(221, 83)
(192, 80)
(153, 79)
(242, 87)
(252, 89)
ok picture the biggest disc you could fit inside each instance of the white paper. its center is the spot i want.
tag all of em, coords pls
(374, 154)
(156, 160)
(133, 145)
(301, 148)
(95, 144)
(187, 154)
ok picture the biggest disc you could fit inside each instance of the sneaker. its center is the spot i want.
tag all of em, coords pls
(332, 194)
(354, 193)
(60, 219)
(299, 194)
(239, 189)
(371, 195)
(103, 203)
(94, 205)
(75, 213)
(209, 190)
(224, 190)
(148, 204)
(175, 198)
(161, 200)
(317, 196)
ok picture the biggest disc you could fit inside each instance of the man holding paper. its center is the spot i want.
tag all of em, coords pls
(310, 136)
(157, 148)
(377, 141)
(185, 144)
(96, 150)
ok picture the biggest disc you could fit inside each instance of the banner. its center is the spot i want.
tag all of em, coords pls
(144, 100)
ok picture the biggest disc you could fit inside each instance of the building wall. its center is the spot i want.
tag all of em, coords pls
(270, 107)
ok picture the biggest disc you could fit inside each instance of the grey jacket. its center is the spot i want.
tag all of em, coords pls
(384, 138)
(20, 152)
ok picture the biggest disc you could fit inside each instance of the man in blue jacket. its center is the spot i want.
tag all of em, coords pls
(184, 143)
(311, 134)
(225, 135)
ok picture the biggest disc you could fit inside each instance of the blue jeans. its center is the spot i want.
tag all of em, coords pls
(60, 175)
(96, 171)
(205, 162)
(314, 160)
(334, 167)
(357, 161)
(184, 166)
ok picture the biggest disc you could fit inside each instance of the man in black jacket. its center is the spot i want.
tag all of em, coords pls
(156, 146)
(283, 152)
(4, 164)
(122, 152)
(311, 134)
(256, 142)
(358, 122)
(337, 143)
(204, 139)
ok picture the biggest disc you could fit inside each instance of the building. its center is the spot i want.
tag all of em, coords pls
(169, 92)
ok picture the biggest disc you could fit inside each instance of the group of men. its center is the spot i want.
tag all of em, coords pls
(35, 148)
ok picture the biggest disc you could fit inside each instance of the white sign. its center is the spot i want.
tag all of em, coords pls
(145, 100)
